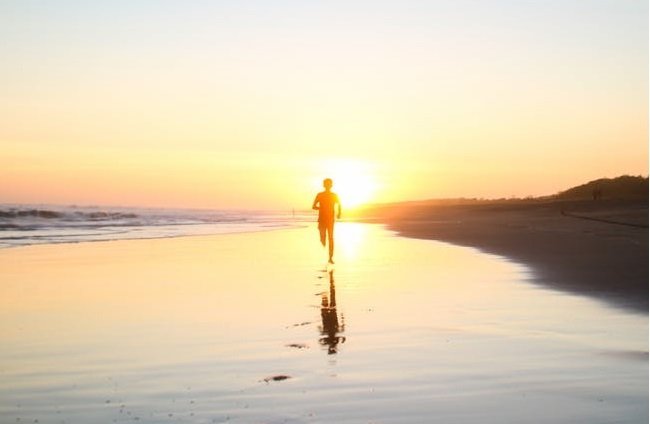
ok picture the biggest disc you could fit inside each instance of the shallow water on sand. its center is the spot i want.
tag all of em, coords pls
(256, 328)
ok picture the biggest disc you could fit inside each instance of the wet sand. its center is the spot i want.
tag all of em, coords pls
(256, 328)
(596, 248)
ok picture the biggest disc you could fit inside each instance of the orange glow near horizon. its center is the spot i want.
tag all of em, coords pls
(406, 103)
(354, 181)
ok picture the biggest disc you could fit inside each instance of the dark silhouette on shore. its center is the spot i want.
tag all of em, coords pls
(597, 193)
(325, 203)
(331, 328)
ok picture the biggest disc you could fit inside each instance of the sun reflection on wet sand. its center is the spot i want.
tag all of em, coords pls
(350, 239)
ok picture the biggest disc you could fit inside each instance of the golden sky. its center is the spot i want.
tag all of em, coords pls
(252, 104)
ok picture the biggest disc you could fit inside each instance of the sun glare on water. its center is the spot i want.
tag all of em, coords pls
(354, 182)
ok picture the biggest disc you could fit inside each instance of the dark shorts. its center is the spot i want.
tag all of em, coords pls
(325, 225)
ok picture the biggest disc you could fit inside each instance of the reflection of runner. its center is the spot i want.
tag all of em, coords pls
(330, 327)
(325, 203)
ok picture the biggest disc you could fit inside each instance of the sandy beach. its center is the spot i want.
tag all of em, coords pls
(255, 327)
(598, 248)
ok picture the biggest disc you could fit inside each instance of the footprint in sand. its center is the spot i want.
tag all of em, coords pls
(298, 345)
(276, 378)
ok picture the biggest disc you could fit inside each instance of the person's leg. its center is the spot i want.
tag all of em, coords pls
(322, 229)
(330, 233)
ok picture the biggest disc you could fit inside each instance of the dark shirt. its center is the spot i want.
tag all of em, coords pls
(326, 202)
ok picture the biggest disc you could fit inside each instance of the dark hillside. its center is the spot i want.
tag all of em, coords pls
(625, 187)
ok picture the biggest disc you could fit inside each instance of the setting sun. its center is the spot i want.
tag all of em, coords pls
(354, 181)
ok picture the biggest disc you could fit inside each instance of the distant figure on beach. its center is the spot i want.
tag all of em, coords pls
(325, 203)
(331, 328)
(597, 193)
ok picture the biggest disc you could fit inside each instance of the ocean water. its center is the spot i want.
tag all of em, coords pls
(22, 225)
(257, 328)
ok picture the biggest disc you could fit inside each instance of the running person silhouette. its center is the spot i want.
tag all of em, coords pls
(325, 203)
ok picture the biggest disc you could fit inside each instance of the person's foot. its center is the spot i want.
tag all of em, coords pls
(331, 261)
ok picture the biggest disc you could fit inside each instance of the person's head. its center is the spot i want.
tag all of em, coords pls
(327, 183)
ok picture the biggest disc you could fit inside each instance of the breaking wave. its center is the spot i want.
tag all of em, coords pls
(22, 225)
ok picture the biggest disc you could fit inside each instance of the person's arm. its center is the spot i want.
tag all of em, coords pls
(338, 202)
(314, 205)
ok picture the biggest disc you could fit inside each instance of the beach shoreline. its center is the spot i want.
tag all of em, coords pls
(595, 248)
(249, 327)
